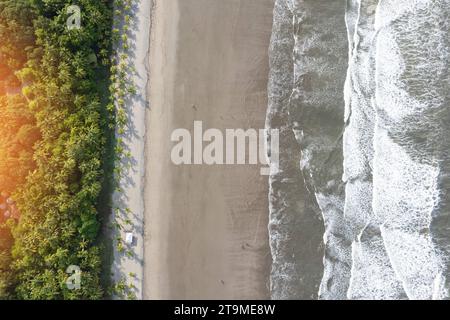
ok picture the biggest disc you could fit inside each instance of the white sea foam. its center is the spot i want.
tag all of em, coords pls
(404, 197)
(391, 238)
(371, 268)
(411, 83)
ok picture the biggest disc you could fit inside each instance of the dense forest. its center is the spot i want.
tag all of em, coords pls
(54, 129)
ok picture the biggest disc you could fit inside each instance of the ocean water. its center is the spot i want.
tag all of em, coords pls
(372, 274)
(296, 226)
(359, 91)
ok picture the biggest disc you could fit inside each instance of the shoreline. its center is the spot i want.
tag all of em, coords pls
(206, 234)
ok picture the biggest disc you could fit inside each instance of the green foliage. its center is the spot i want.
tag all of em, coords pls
(63, 136)
(17, 34)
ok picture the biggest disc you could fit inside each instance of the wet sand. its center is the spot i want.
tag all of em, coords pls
(206, 226)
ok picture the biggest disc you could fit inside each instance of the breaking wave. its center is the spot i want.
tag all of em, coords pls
(359, 92)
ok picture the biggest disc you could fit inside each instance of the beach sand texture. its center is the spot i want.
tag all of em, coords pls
(206, 226)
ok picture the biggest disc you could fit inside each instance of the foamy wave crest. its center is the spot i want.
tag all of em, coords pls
(411, 141)
(360, 91)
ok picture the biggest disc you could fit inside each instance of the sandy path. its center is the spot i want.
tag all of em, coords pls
(206, 227)
(134, 140)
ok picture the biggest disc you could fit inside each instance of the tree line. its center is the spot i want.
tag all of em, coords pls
(54, 129)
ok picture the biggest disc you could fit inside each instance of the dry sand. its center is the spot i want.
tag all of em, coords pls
(206, 226)
(132, 196)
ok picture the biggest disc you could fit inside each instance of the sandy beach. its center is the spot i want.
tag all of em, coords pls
(205, 231)
(128, 264)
